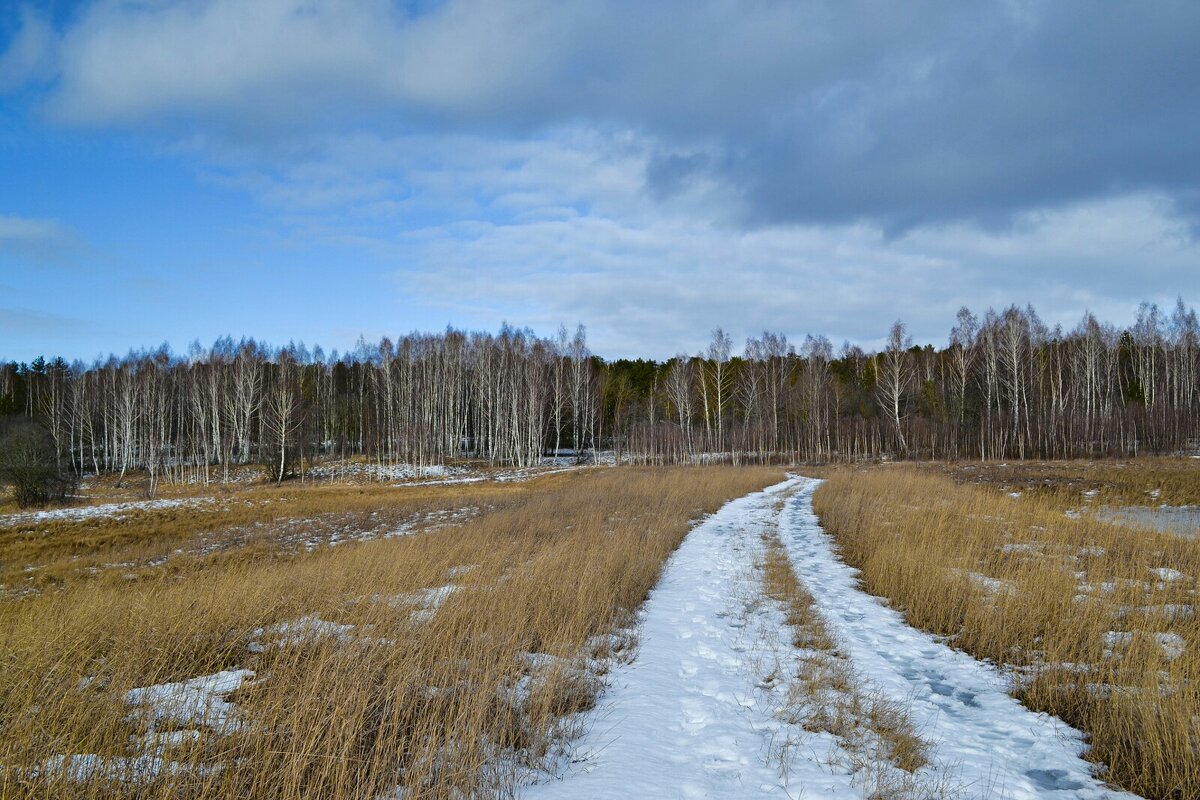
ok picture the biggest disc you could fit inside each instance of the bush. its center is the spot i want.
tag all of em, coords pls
(29, 464)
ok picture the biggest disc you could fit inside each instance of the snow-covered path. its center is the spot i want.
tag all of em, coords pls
(689, 718)
(686, 720)
(997, 747)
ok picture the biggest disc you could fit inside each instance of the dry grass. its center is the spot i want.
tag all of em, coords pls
(461, 697)
(269, 519)
(824, 693)
(1174, 481)
(1096, 621)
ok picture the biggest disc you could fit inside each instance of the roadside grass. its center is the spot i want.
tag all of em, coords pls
(437, 666)
(1096, 622)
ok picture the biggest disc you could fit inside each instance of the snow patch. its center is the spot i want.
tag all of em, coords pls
(197, 701)
(1168, 575)
(117, 511)
(299, 631)
(686, 718)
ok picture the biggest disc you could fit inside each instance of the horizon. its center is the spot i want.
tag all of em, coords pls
(317, 353)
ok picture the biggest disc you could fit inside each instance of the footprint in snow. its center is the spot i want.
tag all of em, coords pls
(1053, 780)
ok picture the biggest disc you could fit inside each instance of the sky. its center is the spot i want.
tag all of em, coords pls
(320, 170)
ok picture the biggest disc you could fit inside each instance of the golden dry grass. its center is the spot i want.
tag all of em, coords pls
(458, 698)
(1097, 622)
(267, 518)
(1141, 481)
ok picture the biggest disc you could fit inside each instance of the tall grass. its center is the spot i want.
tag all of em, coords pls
(1090, 618)
(415, 699)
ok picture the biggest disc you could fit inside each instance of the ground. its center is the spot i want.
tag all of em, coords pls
(383, 630)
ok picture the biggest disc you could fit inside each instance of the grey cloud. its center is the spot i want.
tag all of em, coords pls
(816, 112)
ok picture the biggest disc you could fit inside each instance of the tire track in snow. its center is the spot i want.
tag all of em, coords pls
(997, 747)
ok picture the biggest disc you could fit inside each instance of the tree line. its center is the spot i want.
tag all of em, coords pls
(1005, 386)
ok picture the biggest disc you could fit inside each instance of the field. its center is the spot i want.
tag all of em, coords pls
(257, 660)
(374, 632)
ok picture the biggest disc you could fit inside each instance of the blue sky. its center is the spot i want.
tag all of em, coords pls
(316, 170)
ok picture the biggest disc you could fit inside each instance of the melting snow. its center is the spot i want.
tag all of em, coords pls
(198, 701)
(113, 510)
(1173, 645)
(430, 600)
(1167, 574)
(685, 719)
(299, 631)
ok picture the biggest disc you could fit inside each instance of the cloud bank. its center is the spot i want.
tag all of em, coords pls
(655, 169)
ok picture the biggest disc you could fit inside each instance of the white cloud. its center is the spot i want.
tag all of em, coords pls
(656, 287)
(274, 63)
(38, 240)
(564, 229)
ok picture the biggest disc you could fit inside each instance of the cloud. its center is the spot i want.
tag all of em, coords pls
(270, 65)
(655, 169)
(41, 241)
(31, 54)
(805, 112)
(655, 289)
(564, 229)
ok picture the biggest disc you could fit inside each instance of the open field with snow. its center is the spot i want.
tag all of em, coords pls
(896, 631)
(444, 662)
(112, 533)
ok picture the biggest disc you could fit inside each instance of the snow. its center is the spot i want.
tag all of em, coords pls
(429, 600)
(686, 719)
(112, 510)
(988, 583)
(960, 705)
(1172, 644)
(1022, 547)
(298, 632)
(135, 770)
(427, 522)
(340, 470)
(197, 701)
(692, 715)
(1167, 574)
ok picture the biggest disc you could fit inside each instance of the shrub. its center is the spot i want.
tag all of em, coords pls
(29, 464)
